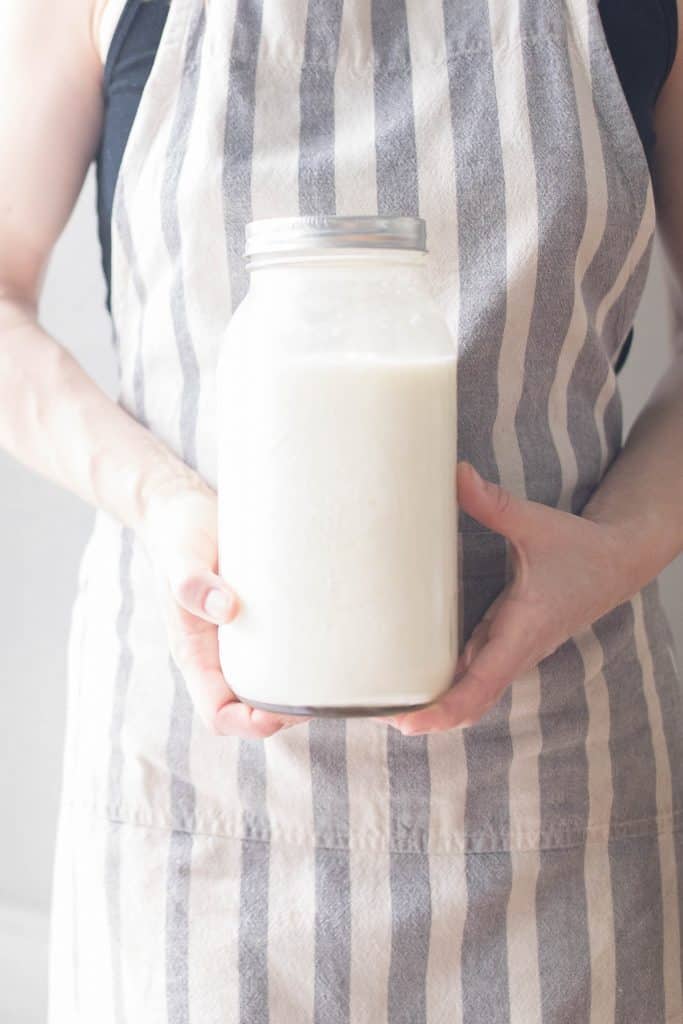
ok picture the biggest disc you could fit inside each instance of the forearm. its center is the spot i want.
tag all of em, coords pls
(641, 497)
(57, 421)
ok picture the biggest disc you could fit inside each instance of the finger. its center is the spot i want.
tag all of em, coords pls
(194, 646)
(203, 593)
(239, 719)
(431, 718)
(500, 649)
(482, 685)
(494, 506)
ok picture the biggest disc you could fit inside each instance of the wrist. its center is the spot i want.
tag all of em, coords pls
(165, 486)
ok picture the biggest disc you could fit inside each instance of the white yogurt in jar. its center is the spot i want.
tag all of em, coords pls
(336, 482)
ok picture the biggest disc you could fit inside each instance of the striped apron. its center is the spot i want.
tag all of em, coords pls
(527, 869)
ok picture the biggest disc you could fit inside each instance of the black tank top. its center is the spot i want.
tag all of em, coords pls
(641, 34)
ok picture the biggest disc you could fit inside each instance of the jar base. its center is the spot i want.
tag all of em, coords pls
(351, 711)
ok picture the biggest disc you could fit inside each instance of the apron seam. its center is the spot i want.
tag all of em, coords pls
(483, 842)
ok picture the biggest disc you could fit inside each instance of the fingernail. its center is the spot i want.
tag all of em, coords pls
(218, 605)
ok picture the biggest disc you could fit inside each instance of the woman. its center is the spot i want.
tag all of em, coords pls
(512, 853)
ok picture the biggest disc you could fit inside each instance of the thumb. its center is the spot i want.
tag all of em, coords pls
(491, 505)
(202, 592)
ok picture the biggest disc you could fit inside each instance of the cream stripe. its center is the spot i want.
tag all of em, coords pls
(275, 161)
(673, 994)
(143, 865)
(206, 278)
(525, 808)
(95, 702)
(521, 259)
(159, 353)
(366, 760)
(640, 243)
(366, 754)
(354, 114)
(594, 228)
(291, 888)
(447, 765)
(596, 858)
(597, 863)
(448, 773)
(145, 153)
(435, 153)
(213, 922)
(90, 838)
(449, 906)
(213, 764)
(635, 254)
(521, 240)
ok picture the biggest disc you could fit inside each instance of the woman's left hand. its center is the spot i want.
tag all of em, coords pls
(567, 571)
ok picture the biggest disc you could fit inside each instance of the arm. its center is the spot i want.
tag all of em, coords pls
(570, 570)
(50, 122)
(53, 417)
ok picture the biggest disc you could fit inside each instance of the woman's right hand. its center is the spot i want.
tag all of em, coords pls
(180, 535)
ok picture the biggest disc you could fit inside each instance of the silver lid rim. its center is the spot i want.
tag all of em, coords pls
(292, 234)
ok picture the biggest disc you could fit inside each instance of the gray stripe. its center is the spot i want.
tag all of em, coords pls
(124, 670)
(407, 757)
(668, 687)
(553, 113)
(112, 868)
(238, 145)
(327, 738)
(125, 235)
(409, 782)
(179, 865)
(638, 929)
(170, 224)
(561, 899)
(564, 954)
(395, 144)
(623, 193)
(316, 93)
(482, 314)
(238, 138)
(329, 783)
(634, 865)
(252, 940)
(484, 954)
(563, 711)
(590, 374)
(621, 316)
(182, 795)
(612, 424)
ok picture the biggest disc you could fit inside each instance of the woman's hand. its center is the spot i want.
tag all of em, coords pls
(180, 535)
(567, 571)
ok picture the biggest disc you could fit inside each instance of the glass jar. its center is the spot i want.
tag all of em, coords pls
(337, 523)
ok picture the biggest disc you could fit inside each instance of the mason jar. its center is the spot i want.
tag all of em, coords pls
(337, 523)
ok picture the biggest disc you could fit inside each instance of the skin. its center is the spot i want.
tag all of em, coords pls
(568, 570)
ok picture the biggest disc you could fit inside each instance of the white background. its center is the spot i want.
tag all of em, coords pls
(42, 531)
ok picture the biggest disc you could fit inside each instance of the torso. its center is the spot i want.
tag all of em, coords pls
(520, 870)
(641, 35)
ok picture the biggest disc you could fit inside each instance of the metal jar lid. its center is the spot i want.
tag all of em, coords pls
(294, 234)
